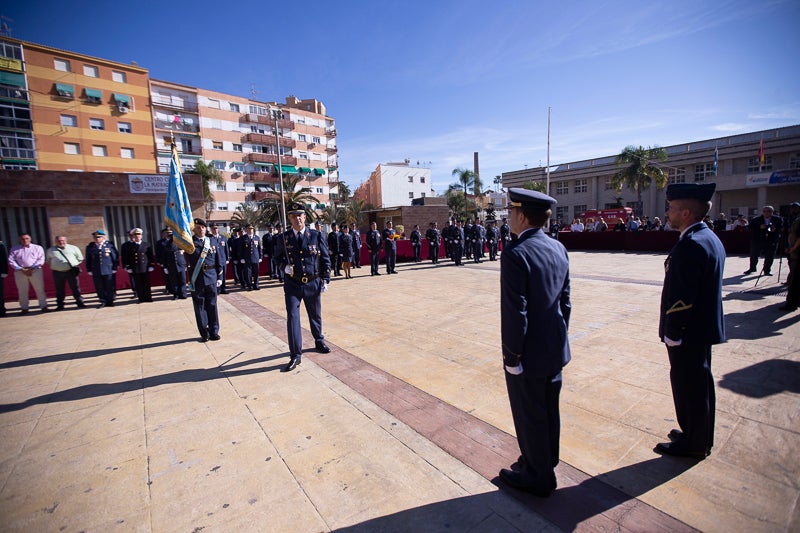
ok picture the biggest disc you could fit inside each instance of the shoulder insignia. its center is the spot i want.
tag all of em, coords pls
(679, 306)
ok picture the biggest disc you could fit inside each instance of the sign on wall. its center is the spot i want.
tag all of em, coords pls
(148, 183)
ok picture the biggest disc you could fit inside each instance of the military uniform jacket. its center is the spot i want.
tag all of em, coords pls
(248, 248)
(266, 244)
(174, 259)
(161, 247)
(137, 257)
(388, 242)
(535, 304)
(416, 237)
(308, 256)
(373, 240)
(457, 236)
(691, 300)
(491, 234)
(505, 232)
(233, 249)
(210, 264)
(221, 244)
(356, 239)
(333, 243)
(346, 246)
(432, 235)
(102, 259)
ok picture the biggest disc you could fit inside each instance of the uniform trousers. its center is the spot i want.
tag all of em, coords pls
(309, 293)
(391, 259)
(537, 421)
(104, 287)
(457, 252)
(62, 278)
(253, 273)
(693, 394)
(204, 299)
(417, 248)
(140, 283)
(177, 282)
(433, 252)
(493, 251)
(36, 280)
(357, 257)
(374, 260)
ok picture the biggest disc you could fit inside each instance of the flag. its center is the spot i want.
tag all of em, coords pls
(177, 211)
(716, 160)
(761, 157)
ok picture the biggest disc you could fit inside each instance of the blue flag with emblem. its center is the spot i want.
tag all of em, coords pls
(716, 160)
(177, 211)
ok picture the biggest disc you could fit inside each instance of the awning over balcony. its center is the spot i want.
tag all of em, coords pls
(288, 169)
(319, 171)
(305, 170)
(64, 89)
(12, 79)
(263, 165)
(122, 99)
(94, 93)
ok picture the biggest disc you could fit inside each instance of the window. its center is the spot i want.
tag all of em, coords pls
(222, 207)
(301, 137)
(578, 210)
(257, 109)
(581, 186)
(422, 179)
(15, 117)
(562, 213)
(237, 147)
(319, 190)
(315, 140)
(90, 71)
(607, 184)
(124, 127)
(234, 107)
(213, 103)
(97, 124)
(216, 145)
(238, 167)
(676, 175)
(562, 187)
(72, 148)
(93, 96)
(422, 195)
(794, 161)
(119, 77)
(302, 155)
(411, 179)
(126, 153)
(701, 172)
(69, 120)
(753, 164)
(258, 129)
(99, 150)
(61, 65)
(411, 195)
(219, 165)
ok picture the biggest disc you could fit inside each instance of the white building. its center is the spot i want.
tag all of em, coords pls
(395, 184)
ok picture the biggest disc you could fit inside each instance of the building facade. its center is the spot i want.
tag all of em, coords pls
(744, 183)
(395, 184)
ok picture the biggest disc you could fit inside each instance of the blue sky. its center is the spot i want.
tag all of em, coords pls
(435, 81)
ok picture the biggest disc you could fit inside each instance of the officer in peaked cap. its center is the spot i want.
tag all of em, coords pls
(102, 260)
(535, 309)
(137, 260)
(307, 274)
(691, 318)
(220, 242)
(204, 265)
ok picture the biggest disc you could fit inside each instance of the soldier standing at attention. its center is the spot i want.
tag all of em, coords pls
(308, 272)
(691, 318)
(505, 234)
(175, 268)
(534, 311)
(102, 261)
(249, 253)
(457, 243)
(220, 243)
(389, 248)
(137, 260)
(491, 239)
(356, 245)
(233, 256)
(333, 250)
(268, 250)
(374, 247)
(204, 264)
(416, 243)
(433, 238)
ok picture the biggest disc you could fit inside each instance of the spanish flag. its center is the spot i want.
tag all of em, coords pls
(177, 211)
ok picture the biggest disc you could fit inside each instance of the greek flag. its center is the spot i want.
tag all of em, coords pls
(177, 211)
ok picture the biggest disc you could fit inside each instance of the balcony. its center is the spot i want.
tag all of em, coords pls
(256, 157)
(176, 126)
(269, 140)
(330, 132)
(331, 149)
(261, 177)
(173, 103)
(265, 119)
(16, 93)
(181, 151)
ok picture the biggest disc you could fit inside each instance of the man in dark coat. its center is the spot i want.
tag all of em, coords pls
(220, 243)
(308, 272)
(137, 260)
(416, 243)
(433, 237)
(248, 251)
(204, 265)
(102, 261)
(333, 250)
(174, 264)
(534, 309)
(691, 318)
(356, 234)
(374, 247)
(390, 247)
(765, 231)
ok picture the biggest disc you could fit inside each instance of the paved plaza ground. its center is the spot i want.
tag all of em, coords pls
(117, 419)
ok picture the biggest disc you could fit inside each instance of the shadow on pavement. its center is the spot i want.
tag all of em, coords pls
(759, 324)
(195, 375)
(764, 379)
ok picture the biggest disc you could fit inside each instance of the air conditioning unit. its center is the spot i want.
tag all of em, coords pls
(123, 109)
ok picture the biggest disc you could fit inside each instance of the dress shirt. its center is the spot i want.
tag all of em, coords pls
(31, 256)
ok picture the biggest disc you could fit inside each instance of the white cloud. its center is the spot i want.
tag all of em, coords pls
(728, 127)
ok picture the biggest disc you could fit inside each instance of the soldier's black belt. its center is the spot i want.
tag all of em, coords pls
(304, 278)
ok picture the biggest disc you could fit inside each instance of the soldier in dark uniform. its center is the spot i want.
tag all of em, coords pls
(308, 272)
(416, 243)
(389, 248)
(204, 265)
(478, 237)
(137, 260)
(175, 267)
(277, 252)
(691, 318)
(161, 247)
(356, 245)
(457, 243)
(468, 239)
(333, 250)
(233, 245)
(491, 239)
(220, 243)
(102, 261)
(374, 247)
(765, 232)
(534, 310)
(268, 251)
(433, 238)
(505, 234)
(248, 250)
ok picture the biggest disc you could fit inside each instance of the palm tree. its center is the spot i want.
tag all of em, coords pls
(467, 179)
(639, 173)
(498, 181)
(249, 213)
(291, 193)
(536, 186)
(208, 175)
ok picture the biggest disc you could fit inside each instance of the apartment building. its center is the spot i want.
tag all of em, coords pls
(744, 182)
(395, 184)
(17, 144)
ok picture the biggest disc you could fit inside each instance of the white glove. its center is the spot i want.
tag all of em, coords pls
(515, 370)
(113, 271)
(324, 287)
(90, 273)
(259, 260)
(241, 261)
(129, 270)
(3, 275)
(289, 269)
(149, 269)
(166, 271)
(219, 283)
(669, 342)
(226, 262)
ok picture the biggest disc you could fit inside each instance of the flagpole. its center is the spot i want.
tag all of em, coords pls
(547, 191)
(275, 113)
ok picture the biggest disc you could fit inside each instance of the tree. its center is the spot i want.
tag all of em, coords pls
(639, 173)
(498, 181)
(458, 202)
(536, 186)
(248, 213)
(291, 193)
(208, 175)
(467, 179)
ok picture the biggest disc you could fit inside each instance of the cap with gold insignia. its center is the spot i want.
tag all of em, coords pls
(295, 208)
(519, 197)
(199, 222)
(135, 231)
(691, 191)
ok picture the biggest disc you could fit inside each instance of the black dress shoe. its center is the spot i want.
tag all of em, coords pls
(203, 339)
(293, 362)
(675, 434)
(679, 449)
(768, 273)
(24, 312)
(749, 271)
(322, 347)
(81, 305)
(214, 337)
(518, 465)
(515, 480)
